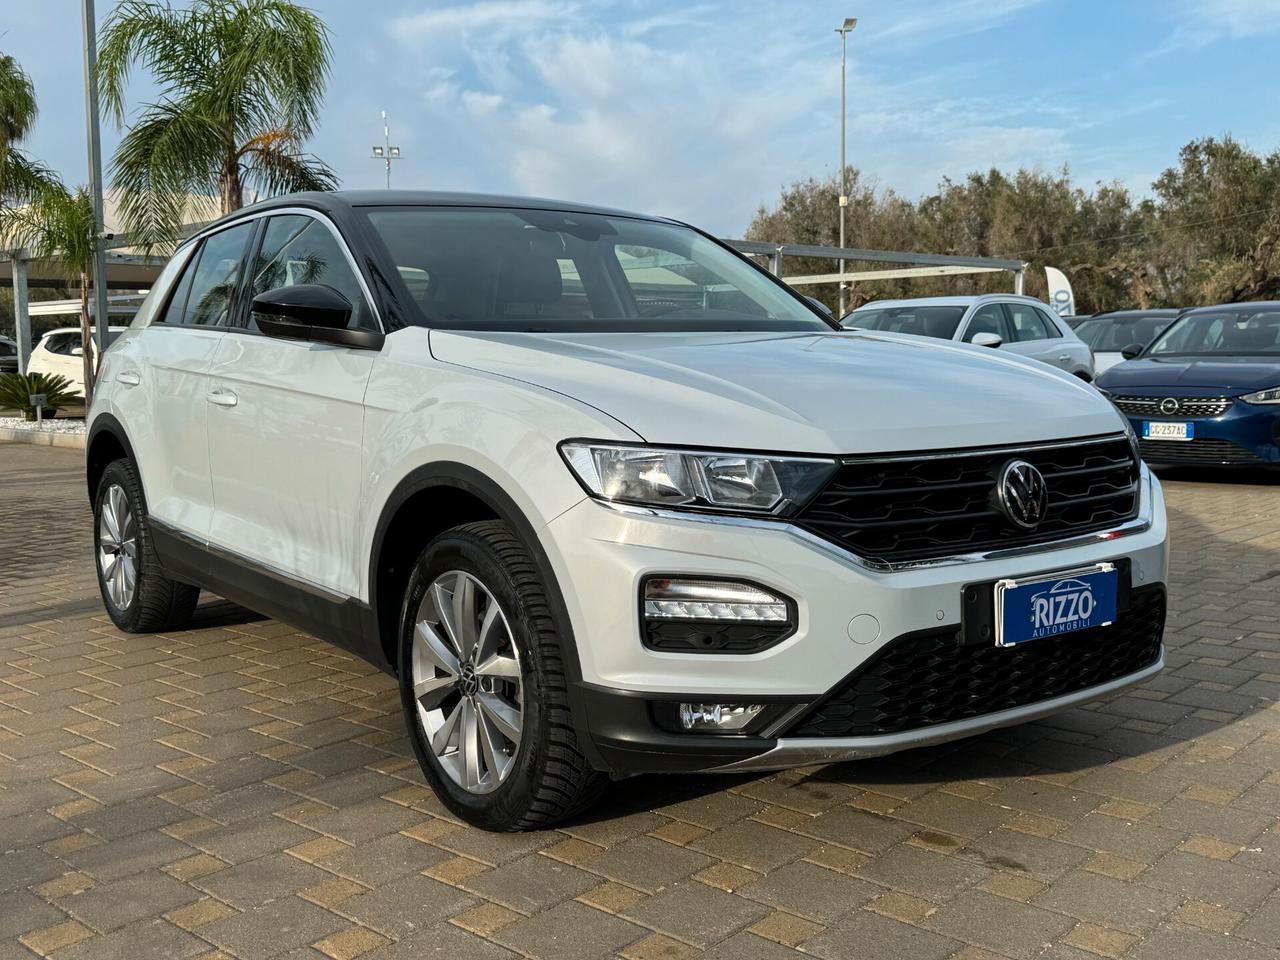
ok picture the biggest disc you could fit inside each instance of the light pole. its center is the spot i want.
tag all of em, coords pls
(386, 153)
(100, 319)
(844, 30)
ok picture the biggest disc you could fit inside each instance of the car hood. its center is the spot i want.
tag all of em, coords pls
(844, 392)
(1230, 375)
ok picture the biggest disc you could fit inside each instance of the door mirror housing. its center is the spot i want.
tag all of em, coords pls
(1132, 350)
(311, 311)
(820, 306)
(986, 339)
(77, 351)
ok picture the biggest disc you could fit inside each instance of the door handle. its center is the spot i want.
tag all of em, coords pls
(128, 378)
(223, 398)
(1064, 356)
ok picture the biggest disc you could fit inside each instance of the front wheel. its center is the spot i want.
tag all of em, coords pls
(483, 684)
(138, 596)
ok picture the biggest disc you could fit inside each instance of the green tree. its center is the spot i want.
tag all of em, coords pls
(58, 227)
(21, 177)
(241, 84)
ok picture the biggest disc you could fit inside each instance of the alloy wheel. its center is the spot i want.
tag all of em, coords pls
(118, 548)
(467, 681)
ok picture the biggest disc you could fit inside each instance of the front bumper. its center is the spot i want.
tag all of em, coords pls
(601, 555)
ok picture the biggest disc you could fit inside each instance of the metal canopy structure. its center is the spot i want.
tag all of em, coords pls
(909, 264)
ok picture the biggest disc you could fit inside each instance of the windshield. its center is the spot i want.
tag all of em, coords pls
(545, 271)
(1113, 334)
(1245, 331)
(925, 321)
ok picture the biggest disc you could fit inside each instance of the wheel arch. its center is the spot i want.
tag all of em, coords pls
(429, 500)
(107, 441)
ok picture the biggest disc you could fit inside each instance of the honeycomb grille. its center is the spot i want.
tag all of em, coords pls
(926, 678)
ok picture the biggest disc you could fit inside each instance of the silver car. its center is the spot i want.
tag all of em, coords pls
(1001, 320)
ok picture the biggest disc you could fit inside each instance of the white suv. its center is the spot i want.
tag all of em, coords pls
(609, 498)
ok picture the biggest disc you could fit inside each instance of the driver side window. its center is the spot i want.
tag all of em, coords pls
(988, 318)
(298, 249)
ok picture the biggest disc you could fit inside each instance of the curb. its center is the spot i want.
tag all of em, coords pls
(75, 441)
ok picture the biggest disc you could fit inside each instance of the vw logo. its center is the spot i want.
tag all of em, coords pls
(1021, 494)
(1169, 405)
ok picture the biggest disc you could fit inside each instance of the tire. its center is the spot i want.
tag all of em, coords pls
(154, 602)
(537, 779)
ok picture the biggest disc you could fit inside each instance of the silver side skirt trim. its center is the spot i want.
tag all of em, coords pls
(804, 751)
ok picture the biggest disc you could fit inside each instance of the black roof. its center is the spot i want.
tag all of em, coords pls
(1153, 312)
(435, 198)
(1246, 305)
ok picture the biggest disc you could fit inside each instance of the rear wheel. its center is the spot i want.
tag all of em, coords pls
(138, 596)
(483, 684)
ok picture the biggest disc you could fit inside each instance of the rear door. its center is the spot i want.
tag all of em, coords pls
(164, 378)
(286, 420)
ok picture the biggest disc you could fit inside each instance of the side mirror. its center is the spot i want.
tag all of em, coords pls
(77, 351)
(820, 306)
(1131, 351)
(985, 339)
(311, 311)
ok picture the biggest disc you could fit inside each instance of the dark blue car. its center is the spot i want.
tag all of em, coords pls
(1207, 390)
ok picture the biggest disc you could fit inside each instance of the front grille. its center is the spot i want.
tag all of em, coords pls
(1189, 407)
(926, 678)
(928, 507)
(1200, 450)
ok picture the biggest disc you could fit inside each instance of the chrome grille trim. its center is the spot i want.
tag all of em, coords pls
(1190, 407)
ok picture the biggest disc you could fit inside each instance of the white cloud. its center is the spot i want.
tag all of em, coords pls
(1198, 23)
(623, 106)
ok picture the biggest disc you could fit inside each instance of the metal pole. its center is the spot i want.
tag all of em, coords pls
(386, 140)
(1019, 281)
(844, 197)
(21, 315)
(100, 317)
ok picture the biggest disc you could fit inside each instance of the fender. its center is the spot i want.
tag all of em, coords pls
(470, 480)
(107, 423)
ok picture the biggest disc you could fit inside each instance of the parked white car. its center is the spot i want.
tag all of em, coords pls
(609, 498)
(1020, 325)
(60, 352)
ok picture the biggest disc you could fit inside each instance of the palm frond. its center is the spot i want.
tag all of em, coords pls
(164, 167)
(17, 103)
(275, 163)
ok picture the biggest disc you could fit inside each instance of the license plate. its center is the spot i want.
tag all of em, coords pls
(1048, 606)
(1168, 431)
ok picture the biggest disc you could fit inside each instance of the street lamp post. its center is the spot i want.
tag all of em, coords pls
(100, 319)
(844, 30)
(386, 153)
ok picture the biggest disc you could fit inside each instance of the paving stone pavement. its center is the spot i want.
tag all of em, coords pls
(242, 790)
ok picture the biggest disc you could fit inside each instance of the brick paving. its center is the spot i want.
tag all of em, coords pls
(242, 790)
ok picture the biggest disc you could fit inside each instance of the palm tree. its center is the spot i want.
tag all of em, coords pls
(241, 83)
(21, 177)
(59, 227)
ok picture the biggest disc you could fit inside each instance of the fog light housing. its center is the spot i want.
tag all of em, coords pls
(704, 615)
(718, 717)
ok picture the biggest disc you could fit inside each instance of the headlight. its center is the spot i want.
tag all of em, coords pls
(1271, 395)
(688, 479)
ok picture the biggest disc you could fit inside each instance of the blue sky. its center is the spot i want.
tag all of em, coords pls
(704, 110)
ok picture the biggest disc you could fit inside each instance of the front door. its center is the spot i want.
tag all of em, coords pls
(286, 421)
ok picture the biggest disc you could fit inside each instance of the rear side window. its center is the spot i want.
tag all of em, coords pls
(206, 292)
(7, 350)
(298, 249)
(60, 343)
(1027, 323)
